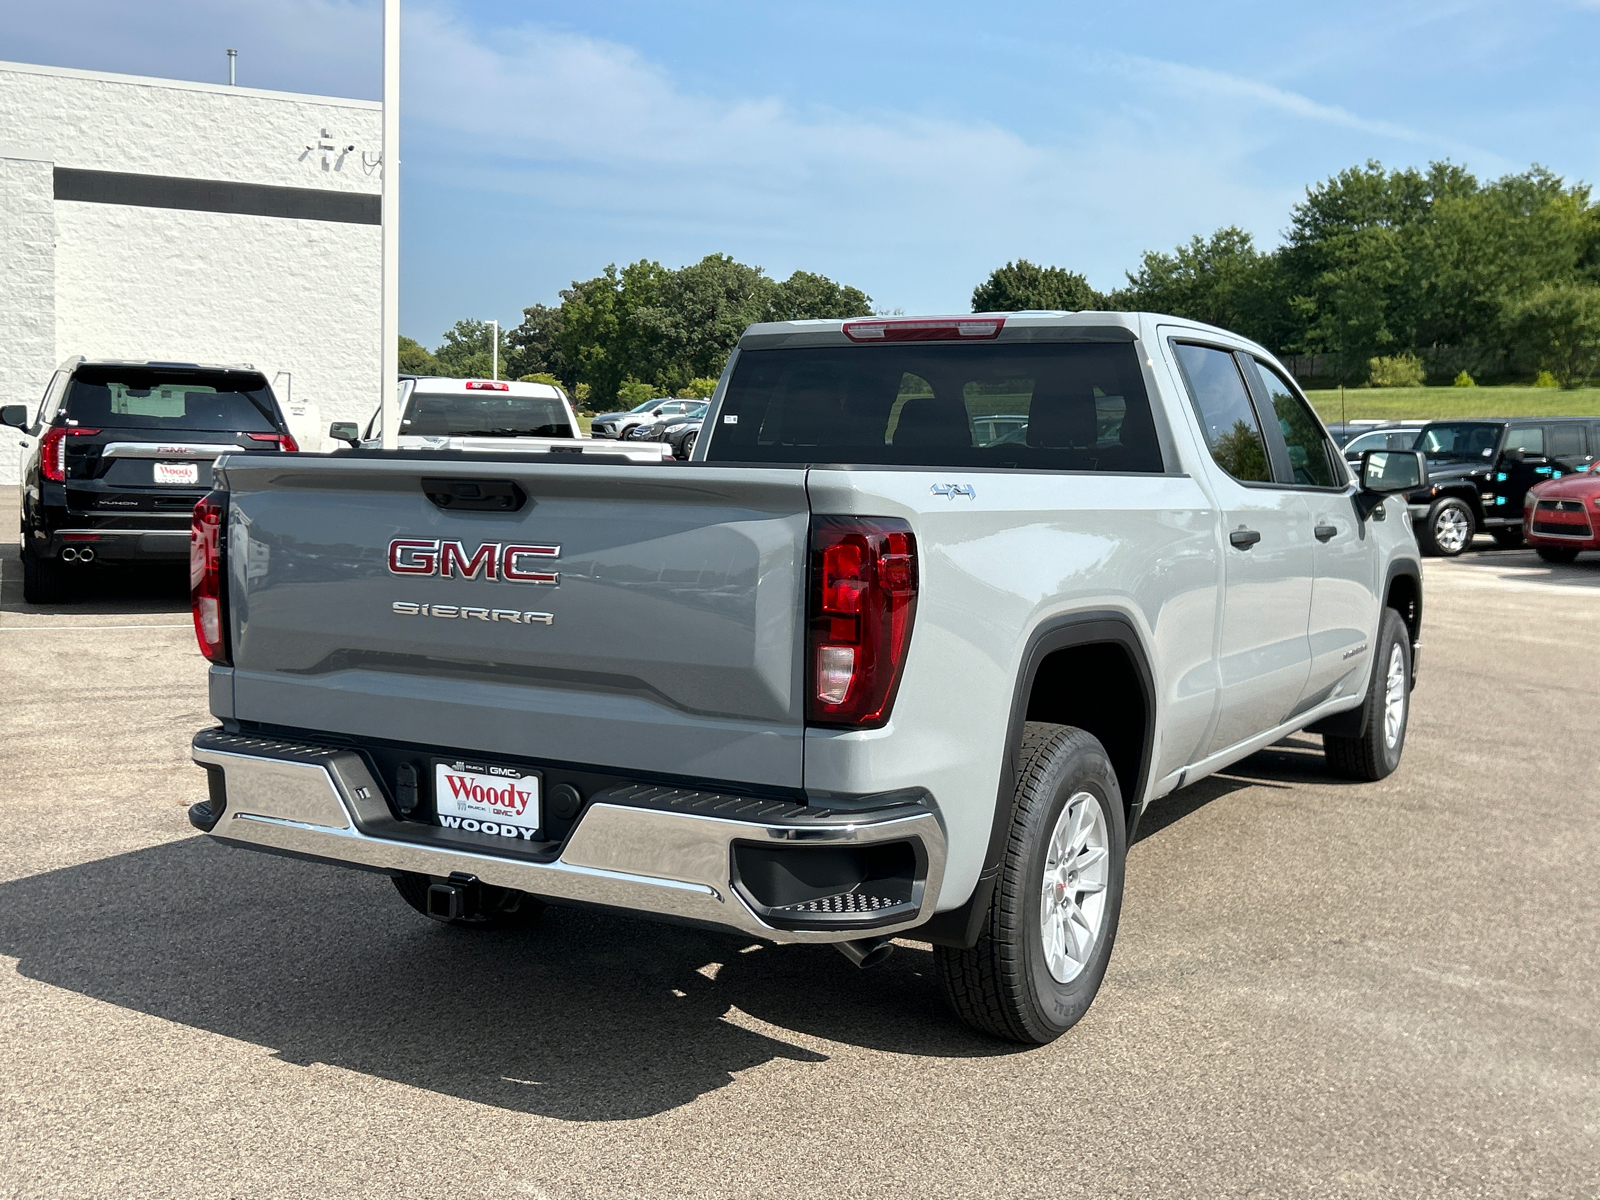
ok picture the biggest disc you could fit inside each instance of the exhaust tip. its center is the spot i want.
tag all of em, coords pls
(86, 554)
(867, 952)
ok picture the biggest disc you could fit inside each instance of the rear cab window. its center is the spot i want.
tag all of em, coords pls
(1054, 406)
(484, 414)
(165, 399)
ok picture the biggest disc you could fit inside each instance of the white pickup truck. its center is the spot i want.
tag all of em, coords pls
(487, 416)
(936, 610)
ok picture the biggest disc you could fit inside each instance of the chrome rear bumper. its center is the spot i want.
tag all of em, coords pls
(655, 856)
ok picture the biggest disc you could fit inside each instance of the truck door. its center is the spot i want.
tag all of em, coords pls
(1524, 462)
(1344, 588)
(1264, 657)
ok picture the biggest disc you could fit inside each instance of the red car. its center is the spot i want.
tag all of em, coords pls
(1562, 516)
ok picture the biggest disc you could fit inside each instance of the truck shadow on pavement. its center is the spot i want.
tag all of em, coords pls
(102, 591)
(584, 1017)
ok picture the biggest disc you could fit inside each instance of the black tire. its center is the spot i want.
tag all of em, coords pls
(1004, 985)
(1558, 554)
(41, 580)
(1442, 532)
(1509, 537)
(1373, 756)
(688, 443)
(498, 907)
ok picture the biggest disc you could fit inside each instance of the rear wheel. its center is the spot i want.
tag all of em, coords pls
(1558, 554)
(1376, 753)
(491, 907)
(41, 579)
(1448, 529)
(1052, 920)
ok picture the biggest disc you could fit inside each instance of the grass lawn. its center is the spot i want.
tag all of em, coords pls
(1439, 403)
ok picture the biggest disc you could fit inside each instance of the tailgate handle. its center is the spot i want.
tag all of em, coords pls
(475, 495)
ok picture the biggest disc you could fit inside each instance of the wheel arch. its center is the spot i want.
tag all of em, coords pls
(1107, 643)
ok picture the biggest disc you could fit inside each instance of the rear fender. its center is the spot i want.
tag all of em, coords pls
(960, 927)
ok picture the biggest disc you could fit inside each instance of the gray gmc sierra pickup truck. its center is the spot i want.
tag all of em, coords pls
(934, 612)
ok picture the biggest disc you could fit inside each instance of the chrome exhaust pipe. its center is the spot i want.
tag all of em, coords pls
(86, 554)
(868, 952)
(69, 554)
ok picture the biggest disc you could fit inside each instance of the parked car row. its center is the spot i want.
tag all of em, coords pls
(620, 425)
(1480, 472)
(678, 430)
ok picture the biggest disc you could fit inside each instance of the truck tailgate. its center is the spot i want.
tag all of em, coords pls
(674, 634)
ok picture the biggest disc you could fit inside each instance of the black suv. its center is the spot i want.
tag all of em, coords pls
(118, 455)
(1479, 471)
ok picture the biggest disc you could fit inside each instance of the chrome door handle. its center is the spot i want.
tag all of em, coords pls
(1244, 538)
(1324, 532)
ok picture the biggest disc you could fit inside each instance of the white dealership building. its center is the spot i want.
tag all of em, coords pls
(188, 222)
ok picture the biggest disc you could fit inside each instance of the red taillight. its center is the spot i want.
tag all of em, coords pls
(484, 385)
(53, 450)
(285, 441)
(863, 599)
(930, 329)
(206, 585)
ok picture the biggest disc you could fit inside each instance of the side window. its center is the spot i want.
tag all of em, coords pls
(1529, 441)
(1232, 432)
(1309, 456)
(1566, 441)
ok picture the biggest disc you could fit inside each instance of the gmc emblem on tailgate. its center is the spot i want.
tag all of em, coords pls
(513, 563)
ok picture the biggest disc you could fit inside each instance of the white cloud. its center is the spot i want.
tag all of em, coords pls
(927, 205)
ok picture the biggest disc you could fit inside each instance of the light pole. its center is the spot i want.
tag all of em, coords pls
(389, 322)
(494, 348)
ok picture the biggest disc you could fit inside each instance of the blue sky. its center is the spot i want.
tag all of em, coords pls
(905, 148)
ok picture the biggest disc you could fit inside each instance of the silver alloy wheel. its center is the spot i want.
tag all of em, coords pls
(1394, 697)
(1451, 528)
(1072, 904)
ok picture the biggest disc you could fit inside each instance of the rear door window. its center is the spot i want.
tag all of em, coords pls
(1566, 441)
(1311, 455)
(1227, 418)
(1043, 406)
(163, 399)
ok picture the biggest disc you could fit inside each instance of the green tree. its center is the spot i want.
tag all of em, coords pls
(1223, 281)
(415, 359)
(533, 347)
(631, 393)
(698, 389)
(467, 350)
(807, 297)
(1559, 327)
(1021, 285)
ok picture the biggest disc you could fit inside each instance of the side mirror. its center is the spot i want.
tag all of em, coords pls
(1386, 471)
(345, 431)
(14, 415)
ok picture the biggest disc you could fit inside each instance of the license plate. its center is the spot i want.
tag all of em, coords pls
(487, 798)
(177, 473)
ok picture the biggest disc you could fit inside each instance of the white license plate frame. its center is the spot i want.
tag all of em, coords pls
(177, 474)
(493, 800)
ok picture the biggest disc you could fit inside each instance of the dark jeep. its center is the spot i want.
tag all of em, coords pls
(1479, 471)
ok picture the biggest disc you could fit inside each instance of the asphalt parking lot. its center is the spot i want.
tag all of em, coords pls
(1320, 988)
